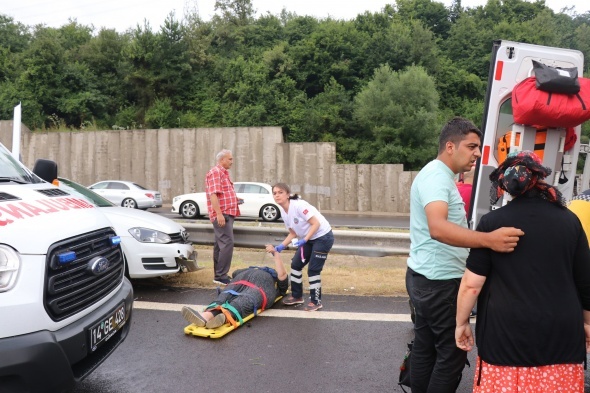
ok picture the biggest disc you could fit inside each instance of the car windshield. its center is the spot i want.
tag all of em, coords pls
(138, 186)
(79, 190)
(12, 170)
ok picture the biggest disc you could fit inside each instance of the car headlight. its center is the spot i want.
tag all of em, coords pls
(175, 199)
(145, 235)
(9, 267)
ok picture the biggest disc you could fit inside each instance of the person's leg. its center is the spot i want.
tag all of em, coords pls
(423, 351)
(224, 247)
(217, 233)
(318, 253)
(450, 360)
(297, 266)
(195, 317)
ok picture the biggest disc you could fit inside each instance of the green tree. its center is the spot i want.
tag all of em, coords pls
(400, 109)
(139, 73)
(252, 97)
(400, 45)
(432, 14)
(582, 34)
(333, 50)
(104, 56)
(330, 112)
(161, 114)
(457, 85)
(238, 12)
(171, 66)
(13, 35)
(469, 46)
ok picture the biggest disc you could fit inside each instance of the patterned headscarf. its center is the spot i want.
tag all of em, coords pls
(521, 172)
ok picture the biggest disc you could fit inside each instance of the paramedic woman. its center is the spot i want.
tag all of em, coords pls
(314, 241)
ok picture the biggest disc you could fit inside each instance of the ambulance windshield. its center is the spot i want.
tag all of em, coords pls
(13, 171)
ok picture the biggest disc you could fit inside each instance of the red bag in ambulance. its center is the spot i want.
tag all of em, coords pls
(532, 106)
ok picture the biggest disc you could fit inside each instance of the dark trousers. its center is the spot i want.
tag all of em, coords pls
(437, 363)
(315, 253)
(223, 248)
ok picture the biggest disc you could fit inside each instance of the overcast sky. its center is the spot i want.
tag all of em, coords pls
(124, 14)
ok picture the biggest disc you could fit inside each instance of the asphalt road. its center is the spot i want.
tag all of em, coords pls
(355, 344)
(347, 220)
(269, 354)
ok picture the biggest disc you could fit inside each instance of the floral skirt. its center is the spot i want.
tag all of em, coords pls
(544, 379)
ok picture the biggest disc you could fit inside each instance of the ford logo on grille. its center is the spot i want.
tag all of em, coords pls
(98, 265)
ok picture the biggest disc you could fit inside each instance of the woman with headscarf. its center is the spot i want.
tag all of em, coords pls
(533, 322)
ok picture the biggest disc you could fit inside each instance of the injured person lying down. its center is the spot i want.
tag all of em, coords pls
(250, 291)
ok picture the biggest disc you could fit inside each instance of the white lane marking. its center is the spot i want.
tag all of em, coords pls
(323, 314)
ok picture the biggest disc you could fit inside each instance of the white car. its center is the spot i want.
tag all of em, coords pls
(127, 194)
(152, 245)
(258, 202)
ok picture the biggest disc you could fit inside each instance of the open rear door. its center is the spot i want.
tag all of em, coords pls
(511, 63)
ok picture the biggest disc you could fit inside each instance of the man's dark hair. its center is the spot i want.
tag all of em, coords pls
(455, 131)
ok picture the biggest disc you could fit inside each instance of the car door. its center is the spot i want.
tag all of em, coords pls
(101, 189)
(511, 63)
(115, 192)
(252, 195)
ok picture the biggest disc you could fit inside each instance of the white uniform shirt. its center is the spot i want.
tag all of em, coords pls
(297, 219)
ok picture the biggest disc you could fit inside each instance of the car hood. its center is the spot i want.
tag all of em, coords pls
(30, 221)
(124, 218)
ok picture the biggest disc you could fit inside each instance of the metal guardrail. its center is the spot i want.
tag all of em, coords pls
(364, 243)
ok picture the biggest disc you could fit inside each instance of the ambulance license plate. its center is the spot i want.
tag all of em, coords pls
(106, 328)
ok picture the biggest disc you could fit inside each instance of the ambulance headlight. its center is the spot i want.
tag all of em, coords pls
(146, 235)
(9, 267)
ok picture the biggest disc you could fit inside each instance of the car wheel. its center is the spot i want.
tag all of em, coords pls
(270, 213)
(130, 203)
(189, 209)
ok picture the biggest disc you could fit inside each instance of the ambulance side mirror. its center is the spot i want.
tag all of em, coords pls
(46, 170)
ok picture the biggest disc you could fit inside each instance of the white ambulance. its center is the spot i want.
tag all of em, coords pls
(65, 304)
(511, 63)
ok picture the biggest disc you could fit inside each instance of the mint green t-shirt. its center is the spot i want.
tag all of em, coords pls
(429, 257)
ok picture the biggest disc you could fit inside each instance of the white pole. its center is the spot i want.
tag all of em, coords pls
(16, 131)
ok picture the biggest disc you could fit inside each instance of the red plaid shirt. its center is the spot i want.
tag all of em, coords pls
(217, 182)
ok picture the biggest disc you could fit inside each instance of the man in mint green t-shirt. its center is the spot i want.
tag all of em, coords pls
(439, 246)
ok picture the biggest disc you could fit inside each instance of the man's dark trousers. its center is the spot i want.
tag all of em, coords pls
(437, 363)
(223, 249)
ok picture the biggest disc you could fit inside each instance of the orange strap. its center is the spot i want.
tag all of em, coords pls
(227, 314)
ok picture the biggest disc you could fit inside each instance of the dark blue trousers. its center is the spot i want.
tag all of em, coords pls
(315, 253)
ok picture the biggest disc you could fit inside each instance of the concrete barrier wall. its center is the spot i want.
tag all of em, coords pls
(176, 161)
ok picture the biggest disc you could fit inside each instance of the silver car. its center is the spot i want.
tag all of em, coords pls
(127, 194)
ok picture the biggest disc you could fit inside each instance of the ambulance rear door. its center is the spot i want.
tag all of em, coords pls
(511, 62)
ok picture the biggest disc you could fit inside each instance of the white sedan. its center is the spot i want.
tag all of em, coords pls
(152, 245)
(127, 194)
(258, 202)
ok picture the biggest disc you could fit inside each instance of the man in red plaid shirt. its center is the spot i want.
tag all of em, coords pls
(222, 204)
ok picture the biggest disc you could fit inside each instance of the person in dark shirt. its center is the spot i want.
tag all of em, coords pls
(250, 290)
(533, 323)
